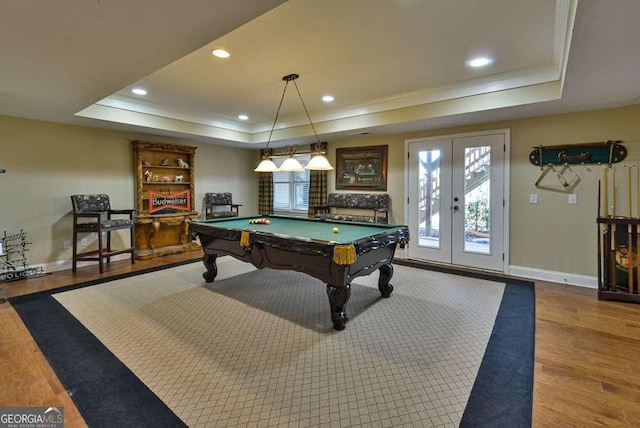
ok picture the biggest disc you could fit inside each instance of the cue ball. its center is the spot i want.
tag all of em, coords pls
(335, 230)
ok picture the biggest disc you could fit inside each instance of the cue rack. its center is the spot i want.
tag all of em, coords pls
(619, 234)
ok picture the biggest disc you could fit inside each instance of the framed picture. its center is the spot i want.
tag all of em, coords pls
(362, 168)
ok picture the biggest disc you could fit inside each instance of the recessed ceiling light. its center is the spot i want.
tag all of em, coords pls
(327, 98)
(479, 62)
(139, 91)
(220, 53)
(243, 117)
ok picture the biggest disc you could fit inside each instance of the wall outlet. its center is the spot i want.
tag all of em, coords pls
(533, 198)
(84, 242)
(66, 244)
(573, 199)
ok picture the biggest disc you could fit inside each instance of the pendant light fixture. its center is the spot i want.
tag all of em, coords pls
(291, 164)
(317, 162)
(266, 165)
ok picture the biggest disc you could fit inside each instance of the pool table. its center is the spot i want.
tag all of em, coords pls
(309, 246)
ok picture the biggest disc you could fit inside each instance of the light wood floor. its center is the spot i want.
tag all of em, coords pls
(587, 367)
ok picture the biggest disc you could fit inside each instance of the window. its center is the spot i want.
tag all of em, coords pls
(291, 189)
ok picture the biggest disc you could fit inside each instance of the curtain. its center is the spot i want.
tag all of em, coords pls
(317, 190)
(265, 193)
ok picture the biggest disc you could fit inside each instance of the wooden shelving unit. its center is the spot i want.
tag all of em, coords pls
(165, 231)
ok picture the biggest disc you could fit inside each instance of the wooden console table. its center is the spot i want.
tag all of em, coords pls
(162, 234)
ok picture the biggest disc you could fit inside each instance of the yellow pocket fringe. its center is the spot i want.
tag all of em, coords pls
(344, 254)
(244, 239)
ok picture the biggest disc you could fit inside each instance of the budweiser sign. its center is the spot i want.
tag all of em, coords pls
(180, 201)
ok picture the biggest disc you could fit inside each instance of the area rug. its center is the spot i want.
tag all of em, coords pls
(257, 348)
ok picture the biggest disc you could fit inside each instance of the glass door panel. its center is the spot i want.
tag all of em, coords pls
(429, 197)
(430, 200)
(477, 194)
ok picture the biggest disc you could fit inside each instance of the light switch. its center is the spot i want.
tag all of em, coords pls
(533, 198)
(573, 199)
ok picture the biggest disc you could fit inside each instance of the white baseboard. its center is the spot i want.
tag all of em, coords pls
(536, 274)
(66, 264)
(519, 271)
(552, 276)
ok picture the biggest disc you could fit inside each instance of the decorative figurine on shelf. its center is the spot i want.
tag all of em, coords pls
(179, 178)
(147, 175)
(182, 163)
(165, 162)
(166, 179)
(145, 163)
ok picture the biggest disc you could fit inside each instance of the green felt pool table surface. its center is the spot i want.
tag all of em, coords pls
(303, 228)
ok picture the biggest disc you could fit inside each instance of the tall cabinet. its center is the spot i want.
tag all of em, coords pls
(164, 176)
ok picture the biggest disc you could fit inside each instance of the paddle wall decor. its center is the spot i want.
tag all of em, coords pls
(557, 160)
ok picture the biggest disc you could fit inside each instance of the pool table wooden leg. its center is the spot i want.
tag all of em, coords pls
(209, 261)
(386, 272)
(338, 298)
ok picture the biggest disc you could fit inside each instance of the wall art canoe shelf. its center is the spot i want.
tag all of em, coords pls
(558, 160)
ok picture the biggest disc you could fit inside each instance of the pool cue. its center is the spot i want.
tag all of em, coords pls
(614, 284)
(636, 222)
(630, 184)
(605, 190)
(613, 191)
(600, 285)
(630, 236)
(606, 273)
(606, 239)
(607, 232)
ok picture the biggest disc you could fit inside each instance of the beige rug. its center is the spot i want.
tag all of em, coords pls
(257, 348)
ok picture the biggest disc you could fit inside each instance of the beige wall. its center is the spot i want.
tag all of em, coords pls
(395, 171)
(551, 235)
(47, 162)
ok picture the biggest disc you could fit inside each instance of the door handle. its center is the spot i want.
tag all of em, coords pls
(455, 208)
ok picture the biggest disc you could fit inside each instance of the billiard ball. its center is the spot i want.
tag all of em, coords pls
(267, 221)
(335, 230)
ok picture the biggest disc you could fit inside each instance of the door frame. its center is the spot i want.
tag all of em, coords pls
(506, 178)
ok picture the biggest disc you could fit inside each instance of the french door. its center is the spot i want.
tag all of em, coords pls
(456, 199)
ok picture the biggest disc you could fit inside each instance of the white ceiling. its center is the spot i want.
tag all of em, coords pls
(392, 65)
